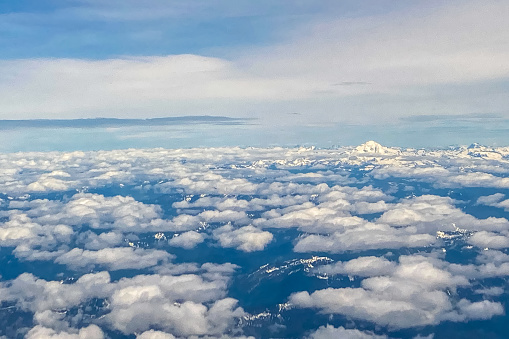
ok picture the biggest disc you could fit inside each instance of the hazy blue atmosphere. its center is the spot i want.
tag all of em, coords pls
(203, 131)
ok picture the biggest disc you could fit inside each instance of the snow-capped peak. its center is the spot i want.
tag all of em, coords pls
(374, 147)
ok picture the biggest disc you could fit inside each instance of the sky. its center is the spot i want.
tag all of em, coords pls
(305, 63)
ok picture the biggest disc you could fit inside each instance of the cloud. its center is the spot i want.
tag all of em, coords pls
(442, 177)
(32, 240)
(314, 199)
(98, 212)
(105, 84)
(332, 211)
(485, 239)
(395, 54)
(479, 310)
(410, 223)
(430, 213)
(185, 305)
(490, 199)
(247, 239)
(330, 331)
(369, 236)
(113, 258)
(362, 266)
(417, 47)
(93, 241)
(90, 332)
(187, 240)
(495, 200)
(155, 335)
(492, 291)
(412, 295)
(182, 318)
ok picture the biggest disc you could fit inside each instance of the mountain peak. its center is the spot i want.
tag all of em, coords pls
(374, 147)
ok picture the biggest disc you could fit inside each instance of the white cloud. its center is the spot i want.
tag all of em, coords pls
(491, 291)
(431, 213)
(479, 310)
(187, 240)
(236, 198)
(184, 305)
(247, 239)
(27, 235)
(485, 239)
(181, 318)
(369, 236)
(330, 331)
(132, 82)
(410, 295)
(155, 335)
(99, 212)
(394, 54)
(113, 258)
(362, 266)
(490, 199)
(93, 241)
(332, 213)
(90, 332)
(48, 184)
(495, 200)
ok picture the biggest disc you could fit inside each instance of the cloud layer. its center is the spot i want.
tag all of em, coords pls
(407, 54)
(158, 243)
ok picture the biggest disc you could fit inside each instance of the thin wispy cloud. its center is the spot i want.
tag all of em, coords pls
(388, 64)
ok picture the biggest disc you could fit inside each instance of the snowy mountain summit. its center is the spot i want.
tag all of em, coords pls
(372, 147)
(479, 151)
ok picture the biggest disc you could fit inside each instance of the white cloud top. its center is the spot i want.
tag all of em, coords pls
(134, 240)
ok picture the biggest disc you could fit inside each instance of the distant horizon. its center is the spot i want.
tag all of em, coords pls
(107, 121)
(116, 118)
(425, 131)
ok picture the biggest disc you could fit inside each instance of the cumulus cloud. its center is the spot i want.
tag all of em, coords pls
(90, 332)
(247, 239)
(490, 199)
(33, 240)
(98, 211)
(362, 266)
(113, 258)
(413, 294)
(479, 310)
(93, 241)
(155, 335)
(492, 291)
(187, 240)
(495, 200)
(413, 222)
(185, 305)
(434, 213)
(329, 331)
(245, 199)
(124, 214)
(331, 212)
(369, 236)
(485, 239)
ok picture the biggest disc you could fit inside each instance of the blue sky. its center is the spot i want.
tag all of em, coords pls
(105, 29)
(327, 61)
